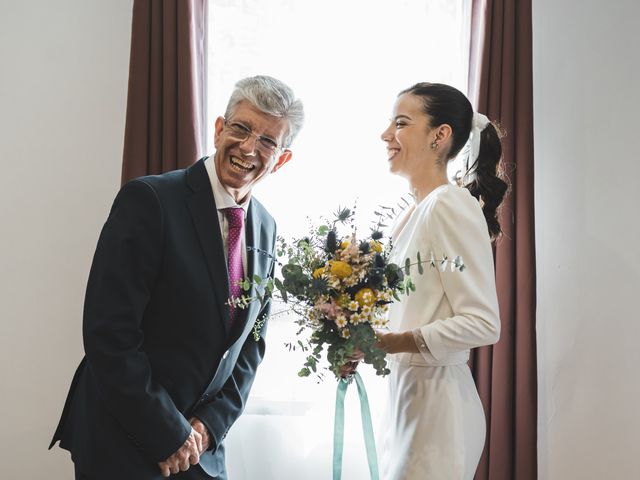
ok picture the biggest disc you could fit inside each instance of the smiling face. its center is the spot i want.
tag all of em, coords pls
(409, 137)
(240, 164)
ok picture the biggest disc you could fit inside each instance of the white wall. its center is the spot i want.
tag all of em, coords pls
(63, 86)
(587, 117)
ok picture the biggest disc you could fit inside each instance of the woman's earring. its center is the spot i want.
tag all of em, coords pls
(434, 145)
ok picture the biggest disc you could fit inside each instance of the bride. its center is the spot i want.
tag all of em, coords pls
(435, 425)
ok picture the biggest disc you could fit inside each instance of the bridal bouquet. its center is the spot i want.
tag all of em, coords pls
(340, 286)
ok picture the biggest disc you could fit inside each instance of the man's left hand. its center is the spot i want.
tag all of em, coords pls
(199, 427)
(188, 454)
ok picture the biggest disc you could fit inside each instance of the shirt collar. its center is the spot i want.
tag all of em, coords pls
(223, 198)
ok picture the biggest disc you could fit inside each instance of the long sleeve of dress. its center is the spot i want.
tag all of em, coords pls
(456, 226)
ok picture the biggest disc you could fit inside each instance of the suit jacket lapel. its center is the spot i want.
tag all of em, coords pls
(205, 218)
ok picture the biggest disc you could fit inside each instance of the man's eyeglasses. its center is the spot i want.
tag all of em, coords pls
(265, 145)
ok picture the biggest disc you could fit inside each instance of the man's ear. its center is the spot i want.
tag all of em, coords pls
(218, 126)
(284, 157)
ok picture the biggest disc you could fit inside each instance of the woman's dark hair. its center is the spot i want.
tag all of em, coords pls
(447, 105)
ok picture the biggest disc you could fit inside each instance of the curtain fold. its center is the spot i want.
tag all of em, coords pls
(501, 86)
(165, 105)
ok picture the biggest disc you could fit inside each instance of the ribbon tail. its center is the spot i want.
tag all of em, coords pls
(338, 430)
(367, 429)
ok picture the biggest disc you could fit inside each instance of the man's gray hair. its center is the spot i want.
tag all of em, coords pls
(272, 97)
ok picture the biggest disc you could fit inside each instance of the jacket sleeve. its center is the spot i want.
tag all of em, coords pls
(221, 412)
(459, 228)
(124, 270)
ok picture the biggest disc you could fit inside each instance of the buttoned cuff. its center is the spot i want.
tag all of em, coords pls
(422, 345)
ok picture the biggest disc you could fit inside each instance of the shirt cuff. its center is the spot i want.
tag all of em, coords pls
(422, 345)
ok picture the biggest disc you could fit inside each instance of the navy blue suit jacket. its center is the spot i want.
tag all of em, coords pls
(158, 345)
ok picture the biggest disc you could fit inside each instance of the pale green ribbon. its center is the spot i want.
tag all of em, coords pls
(367, 428)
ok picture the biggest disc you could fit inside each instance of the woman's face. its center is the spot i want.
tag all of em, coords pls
(408, 136)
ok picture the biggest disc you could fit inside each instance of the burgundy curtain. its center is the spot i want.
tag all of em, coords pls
(500, 85)
(165, 106)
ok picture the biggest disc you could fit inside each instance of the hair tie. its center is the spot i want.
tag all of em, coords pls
(478, 124)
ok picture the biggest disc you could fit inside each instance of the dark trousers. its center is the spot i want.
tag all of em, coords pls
(194, 473)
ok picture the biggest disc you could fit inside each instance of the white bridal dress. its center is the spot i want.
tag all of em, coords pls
(435, 425)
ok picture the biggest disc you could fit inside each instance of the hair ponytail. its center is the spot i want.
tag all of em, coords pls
(488, 184)
(445, 104)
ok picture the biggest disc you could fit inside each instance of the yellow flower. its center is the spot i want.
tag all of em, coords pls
(344, 244)
(340, 269)
(365, 296)
(345, 333)
(376, 246)
(318, 272)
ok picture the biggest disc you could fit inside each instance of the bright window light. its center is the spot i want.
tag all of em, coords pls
(347, 60)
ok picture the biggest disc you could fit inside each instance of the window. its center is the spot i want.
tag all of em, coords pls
(346, 60)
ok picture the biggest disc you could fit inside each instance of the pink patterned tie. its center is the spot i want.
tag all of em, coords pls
(235, 221)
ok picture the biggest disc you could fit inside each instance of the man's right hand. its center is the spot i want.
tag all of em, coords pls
(188, 454)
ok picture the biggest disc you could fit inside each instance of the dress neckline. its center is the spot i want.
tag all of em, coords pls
(432, 193)
(400, 226)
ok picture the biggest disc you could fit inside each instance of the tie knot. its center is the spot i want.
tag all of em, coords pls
(235, 217)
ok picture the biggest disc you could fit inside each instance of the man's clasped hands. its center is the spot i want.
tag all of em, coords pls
(189, 453)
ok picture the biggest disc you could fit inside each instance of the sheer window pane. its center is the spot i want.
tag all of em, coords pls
(346, 60)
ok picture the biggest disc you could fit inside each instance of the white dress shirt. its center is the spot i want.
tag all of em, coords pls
(224, 200)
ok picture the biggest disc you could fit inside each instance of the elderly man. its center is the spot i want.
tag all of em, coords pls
(169, 364)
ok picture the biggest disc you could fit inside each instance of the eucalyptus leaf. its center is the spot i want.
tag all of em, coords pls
(269, 287)
(443, 263)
